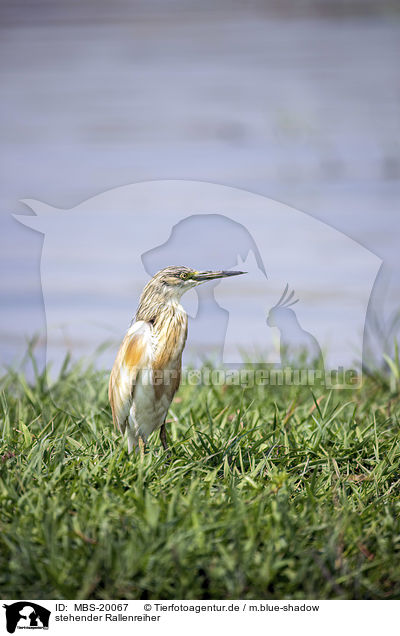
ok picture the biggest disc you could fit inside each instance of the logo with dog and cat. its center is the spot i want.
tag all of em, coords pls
(26, 615)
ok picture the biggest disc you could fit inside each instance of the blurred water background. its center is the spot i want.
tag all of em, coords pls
(295, 101)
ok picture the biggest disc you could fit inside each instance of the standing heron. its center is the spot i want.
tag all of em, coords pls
(147, 369)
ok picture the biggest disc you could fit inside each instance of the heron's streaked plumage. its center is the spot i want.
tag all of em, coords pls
(147, 369)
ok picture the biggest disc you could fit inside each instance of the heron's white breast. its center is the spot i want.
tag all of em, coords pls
(150, 406)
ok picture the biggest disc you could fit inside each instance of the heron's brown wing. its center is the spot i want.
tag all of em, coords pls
(133, 356)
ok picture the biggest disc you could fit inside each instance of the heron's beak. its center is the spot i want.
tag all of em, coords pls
(203, 276)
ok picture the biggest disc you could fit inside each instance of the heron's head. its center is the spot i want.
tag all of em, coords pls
(176, 280)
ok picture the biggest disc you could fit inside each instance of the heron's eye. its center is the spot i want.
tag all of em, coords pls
(184, 275)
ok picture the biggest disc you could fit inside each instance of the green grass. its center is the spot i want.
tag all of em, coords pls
(267, 492)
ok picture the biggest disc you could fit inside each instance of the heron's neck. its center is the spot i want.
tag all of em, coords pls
(169, 321)
(160, 308)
